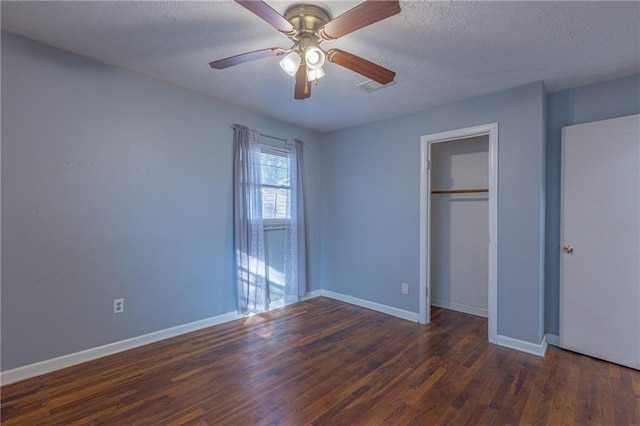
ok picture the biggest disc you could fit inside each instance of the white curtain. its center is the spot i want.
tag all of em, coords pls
(248, 224)
(295, 258)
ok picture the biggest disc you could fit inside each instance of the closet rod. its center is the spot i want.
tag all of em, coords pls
(459, 191)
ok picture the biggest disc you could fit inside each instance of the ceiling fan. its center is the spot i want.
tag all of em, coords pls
(307, 26)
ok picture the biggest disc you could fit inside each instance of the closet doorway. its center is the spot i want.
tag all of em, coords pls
(458, 222)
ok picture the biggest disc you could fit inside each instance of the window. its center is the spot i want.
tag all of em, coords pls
(276, 186)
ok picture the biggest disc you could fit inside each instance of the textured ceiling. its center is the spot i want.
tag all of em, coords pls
(441, 51)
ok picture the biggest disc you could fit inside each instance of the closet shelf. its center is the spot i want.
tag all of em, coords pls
(460, 191)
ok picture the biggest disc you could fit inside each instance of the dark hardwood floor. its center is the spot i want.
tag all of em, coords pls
(327, 362)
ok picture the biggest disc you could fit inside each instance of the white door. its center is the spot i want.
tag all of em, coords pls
(600, 239)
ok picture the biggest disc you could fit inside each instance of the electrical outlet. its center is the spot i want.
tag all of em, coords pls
(405, 288)
(118, 306)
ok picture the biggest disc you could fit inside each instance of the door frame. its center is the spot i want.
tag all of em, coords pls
(426, 142)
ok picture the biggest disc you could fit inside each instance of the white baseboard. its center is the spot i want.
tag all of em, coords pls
(312, 294)
(508, 342)
(552, 339)
(385, 309)
(282, 303)
(49, 365)
(460, 307)
(523, 346)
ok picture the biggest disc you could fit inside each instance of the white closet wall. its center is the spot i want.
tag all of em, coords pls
(460, 225)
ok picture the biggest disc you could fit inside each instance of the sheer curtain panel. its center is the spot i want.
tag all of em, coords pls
(295, 257)
(248, 223)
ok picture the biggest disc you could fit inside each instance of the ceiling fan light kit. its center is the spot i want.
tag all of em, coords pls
(307, 26)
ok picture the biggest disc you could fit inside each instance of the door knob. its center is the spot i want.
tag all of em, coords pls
(567, 249)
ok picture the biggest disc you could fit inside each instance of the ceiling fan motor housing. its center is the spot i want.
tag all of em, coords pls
(306, 19)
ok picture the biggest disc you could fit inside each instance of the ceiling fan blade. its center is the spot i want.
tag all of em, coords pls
(367, 13)
(245, 57)
(268, 14)
(303, 86)
(361, 66)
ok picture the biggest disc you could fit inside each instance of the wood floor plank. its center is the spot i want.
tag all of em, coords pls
(326, 362)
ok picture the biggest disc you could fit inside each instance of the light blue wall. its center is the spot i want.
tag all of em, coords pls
(115, 185)
(371, 196)
(600, 101)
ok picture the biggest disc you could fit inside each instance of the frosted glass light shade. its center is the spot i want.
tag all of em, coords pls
(290, 63)
(314, 57)
(315, 74)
